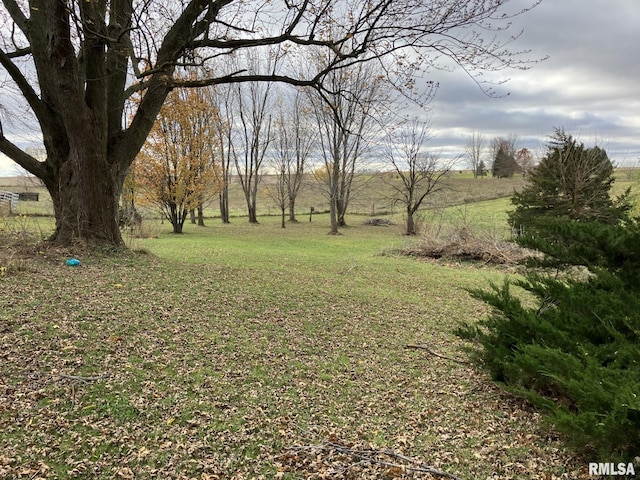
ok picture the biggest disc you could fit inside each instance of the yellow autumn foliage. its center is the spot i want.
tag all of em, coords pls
(176, 169)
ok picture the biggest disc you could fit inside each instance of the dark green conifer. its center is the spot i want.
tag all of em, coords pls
(504, 165)
(574, 352)
(573, 347)
(571, 181)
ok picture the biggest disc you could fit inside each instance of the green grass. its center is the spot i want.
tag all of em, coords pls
(233, 350)
(238, 350)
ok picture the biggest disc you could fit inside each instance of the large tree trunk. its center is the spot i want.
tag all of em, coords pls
(86, 187)
(86, 206)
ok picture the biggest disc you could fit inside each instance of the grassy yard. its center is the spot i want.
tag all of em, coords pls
(248, 351)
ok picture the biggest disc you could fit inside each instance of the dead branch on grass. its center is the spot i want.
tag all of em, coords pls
(470, 248)
(386, 458)
(85, 379)
(435, 354)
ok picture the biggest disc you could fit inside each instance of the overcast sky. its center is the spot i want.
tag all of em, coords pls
(590, 84)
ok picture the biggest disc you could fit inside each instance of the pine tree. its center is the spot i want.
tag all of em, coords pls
(572, 181)
(576, 352)
(481, 170)
(504, 165)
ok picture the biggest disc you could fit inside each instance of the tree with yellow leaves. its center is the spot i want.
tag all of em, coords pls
(176, 169)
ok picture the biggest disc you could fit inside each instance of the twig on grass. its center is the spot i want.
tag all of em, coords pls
(435, 354)
(85, 379)
(79, 379)
(353, 265)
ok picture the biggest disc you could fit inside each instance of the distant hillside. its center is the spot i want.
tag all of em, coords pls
(372, 194)
(16, 182)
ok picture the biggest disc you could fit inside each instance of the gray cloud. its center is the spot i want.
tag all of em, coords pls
(590, 84)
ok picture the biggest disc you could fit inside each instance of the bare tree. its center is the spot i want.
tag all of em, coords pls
(76, 64)
(222, 97)
(421, 173)
(473, 153)
(278, 189)
(295, 140)
(255, 103)
(346, 120)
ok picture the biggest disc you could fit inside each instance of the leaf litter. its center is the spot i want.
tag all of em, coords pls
(151, 369)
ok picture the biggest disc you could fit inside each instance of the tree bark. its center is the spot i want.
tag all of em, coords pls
(253, 217)
(85, 202)
(334, 218)
(253, 207)
(224, 204)
(411, 227)
(292, 211)
(333, 198)
(341, 213)
(200, 215)
(177, 217)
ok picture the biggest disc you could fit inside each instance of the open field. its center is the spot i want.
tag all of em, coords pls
(247, 351)
(372, 195)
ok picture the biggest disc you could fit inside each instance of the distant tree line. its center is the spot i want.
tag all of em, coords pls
(502, 158)
(203, 138)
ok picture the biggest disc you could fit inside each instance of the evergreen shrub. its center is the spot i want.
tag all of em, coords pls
(575, 350)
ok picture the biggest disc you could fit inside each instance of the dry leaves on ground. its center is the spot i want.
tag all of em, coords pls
(140, 368)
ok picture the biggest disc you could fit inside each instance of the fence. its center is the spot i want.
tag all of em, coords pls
(10, 199)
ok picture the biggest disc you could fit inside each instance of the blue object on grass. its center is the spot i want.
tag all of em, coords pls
(73, 262)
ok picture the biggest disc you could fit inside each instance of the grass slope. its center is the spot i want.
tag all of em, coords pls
(247, 351)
